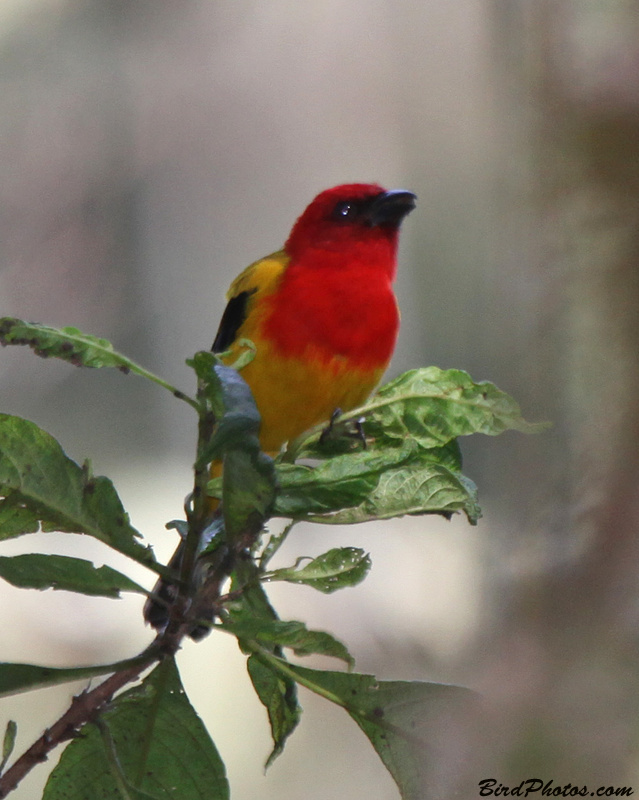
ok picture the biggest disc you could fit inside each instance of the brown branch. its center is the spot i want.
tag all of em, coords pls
(84, 707)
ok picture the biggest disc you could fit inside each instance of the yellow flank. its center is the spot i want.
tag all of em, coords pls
(292, 394)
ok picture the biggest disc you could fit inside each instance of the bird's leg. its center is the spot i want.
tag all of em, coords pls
(328, 430)
(359, 431)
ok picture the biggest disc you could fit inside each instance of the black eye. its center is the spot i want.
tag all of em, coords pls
(345, 210)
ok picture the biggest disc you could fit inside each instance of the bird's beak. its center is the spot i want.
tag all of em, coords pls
(390, 208)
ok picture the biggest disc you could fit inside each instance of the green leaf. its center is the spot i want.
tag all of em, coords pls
(339, 567)
(412, 462)
(39, 571)
(413, 489)
(16, 678)
(230, 399)
(374, 484)
(8, 742)
(293, 635)
(404, 720)
(79, 349)
(16, 519)
(252, 600)
(278, 695)
(275, 541)
(427, 407)
(246, 354)
(448, 456)
(156, 746)
(339, 482)
(248, 483)
(40, 482)
(277, 692)
(69, 344)
(434, 406)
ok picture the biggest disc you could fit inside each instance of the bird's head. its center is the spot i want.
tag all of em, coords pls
(358, 221)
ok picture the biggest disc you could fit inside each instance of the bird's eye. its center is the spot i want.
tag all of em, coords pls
(345, 210)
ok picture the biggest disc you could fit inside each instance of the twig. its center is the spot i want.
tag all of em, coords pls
(84, 707)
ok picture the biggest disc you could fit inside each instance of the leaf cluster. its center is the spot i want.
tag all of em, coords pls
(399, 454)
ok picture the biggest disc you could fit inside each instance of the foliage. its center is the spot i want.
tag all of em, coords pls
(396, 455)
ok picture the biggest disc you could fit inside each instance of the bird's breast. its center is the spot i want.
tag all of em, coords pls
(345, 316)
(322, 342)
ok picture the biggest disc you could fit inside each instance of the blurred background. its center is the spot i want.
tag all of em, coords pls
(151, 149)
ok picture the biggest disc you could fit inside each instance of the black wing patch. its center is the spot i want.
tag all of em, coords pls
(232, 319)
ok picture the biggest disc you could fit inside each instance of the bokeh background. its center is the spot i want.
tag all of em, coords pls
(151, 149)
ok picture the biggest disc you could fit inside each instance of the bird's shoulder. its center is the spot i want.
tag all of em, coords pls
(259, 279)
(261, 276)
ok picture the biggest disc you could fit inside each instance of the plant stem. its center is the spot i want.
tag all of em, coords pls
(84, 707)
(281, 666)
(148, 734)
(145, 373)
(112, 758)
(199, 513)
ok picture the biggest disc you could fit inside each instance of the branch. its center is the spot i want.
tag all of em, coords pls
(84, 708)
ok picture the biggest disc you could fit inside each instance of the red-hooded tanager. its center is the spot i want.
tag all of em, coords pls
(322, 315)
(321, 311)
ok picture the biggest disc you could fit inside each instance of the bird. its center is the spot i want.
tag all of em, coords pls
(321, 311)
(322, 315)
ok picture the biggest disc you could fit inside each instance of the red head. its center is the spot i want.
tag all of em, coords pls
(357, 221)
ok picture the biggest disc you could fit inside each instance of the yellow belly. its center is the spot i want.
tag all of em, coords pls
(293, 395)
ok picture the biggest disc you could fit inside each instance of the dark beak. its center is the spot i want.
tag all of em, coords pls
(390, 208)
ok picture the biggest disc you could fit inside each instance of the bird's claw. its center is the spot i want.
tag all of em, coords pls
(328, 430)
(357, 433)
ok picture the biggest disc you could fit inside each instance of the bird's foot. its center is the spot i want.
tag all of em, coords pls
(334, 429)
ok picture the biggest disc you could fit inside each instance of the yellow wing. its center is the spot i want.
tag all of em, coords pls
(244, 299)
